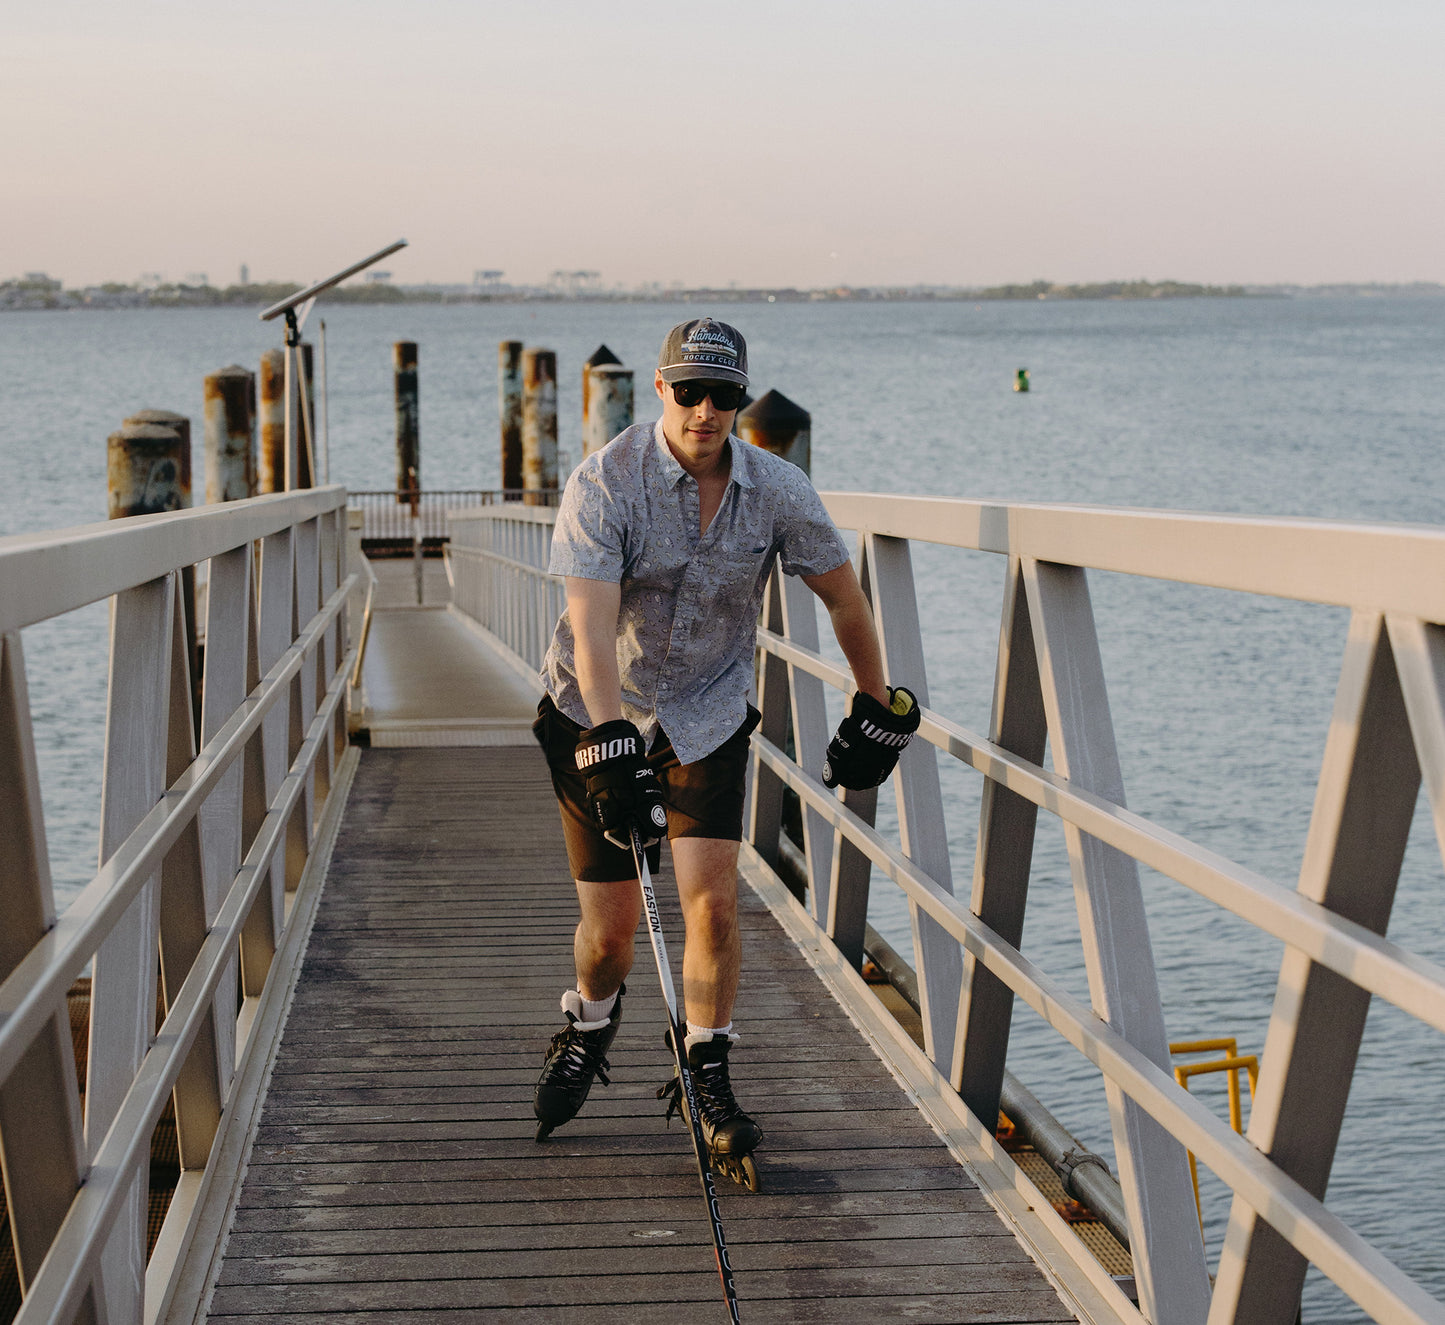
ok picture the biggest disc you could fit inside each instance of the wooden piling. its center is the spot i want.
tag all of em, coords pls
(271, 416)
(408, 420)
(229, 427)
(539, 424)
(610, 398)
(166, 418)
(777, 425)
(509, 409)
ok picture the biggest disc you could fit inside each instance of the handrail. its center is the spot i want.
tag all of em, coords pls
(1390, 711)
(206, 839)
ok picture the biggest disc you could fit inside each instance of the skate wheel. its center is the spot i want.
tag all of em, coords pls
(741, 1170)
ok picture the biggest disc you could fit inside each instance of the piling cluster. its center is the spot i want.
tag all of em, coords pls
(245, 435)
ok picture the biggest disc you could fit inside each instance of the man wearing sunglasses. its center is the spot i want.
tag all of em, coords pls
(666, 538)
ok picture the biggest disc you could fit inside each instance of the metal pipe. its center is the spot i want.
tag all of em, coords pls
(777, 425)
(311, 291)
(408, 420)
(1085, 1175)
(271, 417)
(600, 356)
(143, 470)
(610, 405)
(229, 427)
(306, 410)
(539, 424)
(509, 410)
(325, 412)
(166, 418)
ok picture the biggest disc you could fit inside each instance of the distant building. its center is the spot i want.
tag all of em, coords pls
(150, 280)
(378, 278)
(575, 282)
(245, 274)
(196, 278)
(489, 281)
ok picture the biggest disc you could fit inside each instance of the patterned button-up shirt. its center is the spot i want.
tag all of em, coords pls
(687, 628)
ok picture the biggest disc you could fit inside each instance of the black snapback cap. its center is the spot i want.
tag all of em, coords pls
(704, 348)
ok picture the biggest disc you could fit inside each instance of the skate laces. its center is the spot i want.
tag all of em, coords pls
(713, 1089)
(579, 1055)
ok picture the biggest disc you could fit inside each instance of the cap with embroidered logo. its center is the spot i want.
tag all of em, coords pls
(704, 348)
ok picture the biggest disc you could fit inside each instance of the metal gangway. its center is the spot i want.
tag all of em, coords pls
(223, 801)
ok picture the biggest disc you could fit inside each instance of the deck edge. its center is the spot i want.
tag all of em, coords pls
(1086, 1289)
(188, 1297)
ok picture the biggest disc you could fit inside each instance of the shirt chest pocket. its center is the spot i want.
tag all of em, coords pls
(733, 578)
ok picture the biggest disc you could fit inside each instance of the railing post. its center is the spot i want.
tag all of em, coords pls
(408, 420)
(765, 795)
(509, 411)
(271, 416)
(1364, 802)
(539, 424)
(40, 1124)
(1168, 1252)
(922, 831)
(230, 433)
(123, 988)
(1003, 857)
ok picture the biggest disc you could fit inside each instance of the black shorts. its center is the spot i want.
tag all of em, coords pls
(703, 799)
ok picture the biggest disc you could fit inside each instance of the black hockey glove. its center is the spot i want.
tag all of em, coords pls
(869, 740)
(622, 790)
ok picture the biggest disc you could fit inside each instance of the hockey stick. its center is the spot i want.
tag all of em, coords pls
(678, 1036)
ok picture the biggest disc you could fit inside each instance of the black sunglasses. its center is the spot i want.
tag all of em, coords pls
(725, 395)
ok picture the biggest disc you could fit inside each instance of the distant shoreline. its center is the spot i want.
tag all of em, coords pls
(39, 293)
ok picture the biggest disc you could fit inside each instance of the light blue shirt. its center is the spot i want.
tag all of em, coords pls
(687, 629)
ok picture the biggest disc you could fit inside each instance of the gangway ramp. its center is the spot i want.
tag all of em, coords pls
(394, 1173)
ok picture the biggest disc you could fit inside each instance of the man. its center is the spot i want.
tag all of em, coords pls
(666, 538)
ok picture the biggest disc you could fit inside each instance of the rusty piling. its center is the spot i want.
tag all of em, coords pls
(229, 428)
(143, 470)
(509, 410)
(166, 418)
(539, 424)
(777, 425)
(600, 356)
(271, 419)
(408, 421)
(610, 403)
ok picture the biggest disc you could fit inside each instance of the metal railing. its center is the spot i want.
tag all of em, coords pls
(1387, 731)
(497, 563)
(387, 516)
(205, 837)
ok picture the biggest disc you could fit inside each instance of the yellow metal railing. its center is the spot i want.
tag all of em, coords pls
(1233, 1063)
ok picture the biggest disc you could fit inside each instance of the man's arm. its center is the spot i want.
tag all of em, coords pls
(593, 607)
(852, 620)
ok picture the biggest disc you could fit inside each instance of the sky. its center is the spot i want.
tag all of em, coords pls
(757, 142)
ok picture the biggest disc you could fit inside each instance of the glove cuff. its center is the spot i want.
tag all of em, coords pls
(609, 740)
(888, 718)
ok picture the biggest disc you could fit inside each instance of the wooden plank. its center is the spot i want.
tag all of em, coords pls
(395, 1169)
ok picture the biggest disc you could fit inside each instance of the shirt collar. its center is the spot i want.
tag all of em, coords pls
(673, 473)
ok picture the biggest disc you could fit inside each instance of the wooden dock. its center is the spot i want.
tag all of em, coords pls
(394, 1174)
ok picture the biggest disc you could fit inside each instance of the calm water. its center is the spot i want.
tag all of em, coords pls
(1317, 408)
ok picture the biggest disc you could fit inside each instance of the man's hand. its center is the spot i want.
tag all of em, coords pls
(623, 792)
(869, 740)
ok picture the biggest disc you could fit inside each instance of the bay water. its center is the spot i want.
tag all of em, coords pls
(1310, 407)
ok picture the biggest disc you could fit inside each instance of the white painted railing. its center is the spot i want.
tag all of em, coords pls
(497, 563)
(204, 841)
(1388, 729)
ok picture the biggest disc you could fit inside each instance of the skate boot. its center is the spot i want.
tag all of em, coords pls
(730, 1135)
(578, 1053)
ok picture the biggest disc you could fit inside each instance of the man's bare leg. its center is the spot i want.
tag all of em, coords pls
(707, 885)
(603, 944)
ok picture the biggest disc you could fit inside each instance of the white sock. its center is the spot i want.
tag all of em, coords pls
(703, 1034)
(588, 1014)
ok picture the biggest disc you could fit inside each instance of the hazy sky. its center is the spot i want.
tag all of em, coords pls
(786, 142)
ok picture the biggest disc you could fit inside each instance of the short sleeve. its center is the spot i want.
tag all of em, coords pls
(810, 543)
(587, 540)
